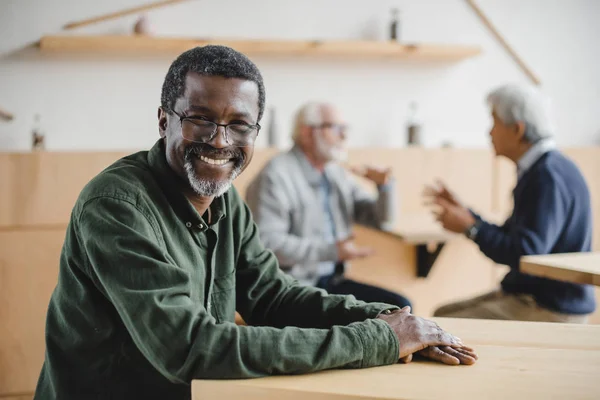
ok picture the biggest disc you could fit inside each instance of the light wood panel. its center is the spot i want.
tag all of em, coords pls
(468, 172)
(588, 161)
(317, 48)
(28, 274)
(41, 188)
(28, 396)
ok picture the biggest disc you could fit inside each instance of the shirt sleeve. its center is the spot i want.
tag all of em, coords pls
(267, 296)
(152, 297)
(377, 212)
(534, 228)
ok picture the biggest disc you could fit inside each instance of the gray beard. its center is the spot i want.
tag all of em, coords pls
(208, 188)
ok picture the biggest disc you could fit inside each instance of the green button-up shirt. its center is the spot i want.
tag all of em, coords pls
(147, 294)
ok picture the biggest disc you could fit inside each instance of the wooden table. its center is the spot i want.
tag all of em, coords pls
(517, 360)
(573, 267)
(422, 232)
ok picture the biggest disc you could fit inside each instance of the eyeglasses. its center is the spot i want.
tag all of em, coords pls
(338, 129)
(200, 130)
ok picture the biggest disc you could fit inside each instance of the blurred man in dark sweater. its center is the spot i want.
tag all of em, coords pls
(551, 215)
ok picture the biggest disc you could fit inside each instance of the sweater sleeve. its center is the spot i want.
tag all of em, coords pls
(535, 227)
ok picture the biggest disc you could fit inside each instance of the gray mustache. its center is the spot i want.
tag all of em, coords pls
(211, 151)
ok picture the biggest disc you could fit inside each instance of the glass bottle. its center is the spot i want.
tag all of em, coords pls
(413, 125)
(395, 25)
(37, 136)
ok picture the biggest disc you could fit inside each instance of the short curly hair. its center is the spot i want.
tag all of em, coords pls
(210, 61)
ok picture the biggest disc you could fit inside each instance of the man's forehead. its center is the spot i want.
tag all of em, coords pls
(331, 114)
(217, 91)
(213, 84)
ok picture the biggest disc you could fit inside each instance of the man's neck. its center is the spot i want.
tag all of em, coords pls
(200, 203)
(315, 161)
(520, 152)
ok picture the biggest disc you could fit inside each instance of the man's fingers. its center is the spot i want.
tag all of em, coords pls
(464, 348)
(464, 357)
(360, 171)
(436, 354)
(466, 352)
(365, 252)
(442, 202)
(439, 337)
(441, 186)
(407, 359)
(430, 191)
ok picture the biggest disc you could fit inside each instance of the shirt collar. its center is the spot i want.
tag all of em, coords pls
(312, 175)
(171, 185)
(533, 154)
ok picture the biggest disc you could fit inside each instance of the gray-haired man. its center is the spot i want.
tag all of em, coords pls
(551, 215)
(305, 205)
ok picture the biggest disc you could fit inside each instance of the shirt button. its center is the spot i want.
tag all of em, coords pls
(208, 306)
(201, 226)
(188, 224)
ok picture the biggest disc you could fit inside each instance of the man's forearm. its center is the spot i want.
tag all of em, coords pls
(291, 250)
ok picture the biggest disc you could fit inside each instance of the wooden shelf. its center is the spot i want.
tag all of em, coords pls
(164, 45)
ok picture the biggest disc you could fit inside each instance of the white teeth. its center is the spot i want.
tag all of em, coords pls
(213, 161)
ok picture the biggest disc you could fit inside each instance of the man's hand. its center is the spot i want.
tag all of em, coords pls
(379, 176)
(347, 250)
(425, 338)
(450, 212)
(440, 191)
(452, 217)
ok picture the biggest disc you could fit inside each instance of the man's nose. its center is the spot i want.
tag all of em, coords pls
(220, 140)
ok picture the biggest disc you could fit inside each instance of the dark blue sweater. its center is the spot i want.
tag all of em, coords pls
(551, 215)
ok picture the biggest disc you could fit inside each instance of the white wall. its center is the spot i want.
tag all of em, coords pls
(111, 102)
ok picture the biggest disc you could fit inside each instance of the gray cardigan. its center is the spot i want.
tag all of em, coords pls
(284, 202)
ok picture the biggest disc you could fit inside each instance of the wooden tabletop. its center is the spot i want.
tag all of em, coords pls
(573, 267)
(420, 229)
(550, 335)
(517, 360)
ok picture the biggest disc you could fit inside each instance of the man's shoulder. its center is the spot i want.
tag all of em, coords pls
(558, 171)
(127, 178)
(281, 162)
(556, 165)
(278, 168)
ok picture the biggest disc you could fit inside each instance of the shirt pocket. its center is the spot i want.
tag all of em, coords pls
(223, 297)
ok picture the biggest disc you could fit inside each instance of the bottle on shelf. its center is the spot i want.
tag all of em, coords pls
(37, 136)
(395, 25)
(413, 125)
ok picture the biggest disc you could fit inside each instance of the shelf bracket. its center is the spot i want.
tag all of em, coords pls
(426, 258)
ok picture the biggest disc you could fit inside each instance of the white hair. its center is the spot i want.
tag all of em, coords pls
(309, 114)
(513, 103)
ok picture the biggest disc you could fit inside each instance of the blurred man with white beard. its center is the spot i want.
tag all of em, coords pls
(305, 205)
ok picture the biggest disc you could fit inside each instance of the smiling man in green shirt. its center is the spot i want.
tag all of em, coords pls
(160, 252)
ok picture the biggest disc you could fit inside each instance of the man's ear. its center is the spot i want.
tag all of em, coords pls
(519, 130)
(162, 122)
